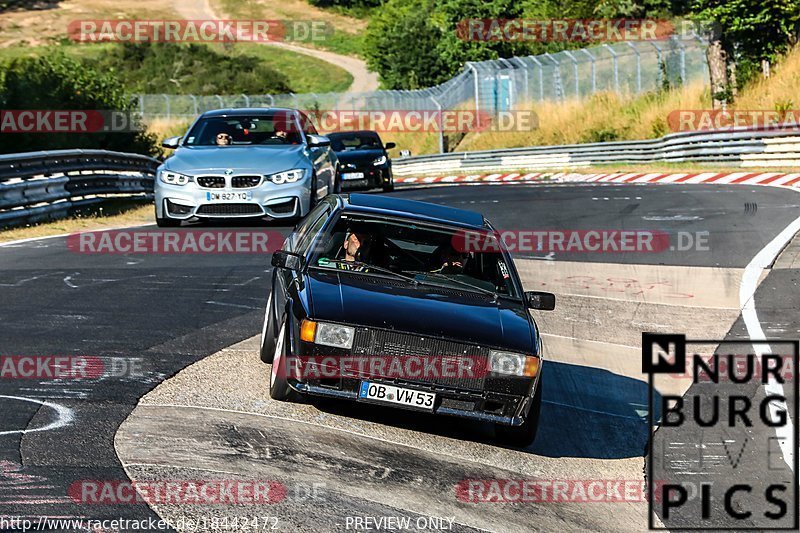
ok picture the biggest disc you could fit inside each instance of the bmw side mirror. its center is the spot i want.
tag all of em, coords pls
(171, 142)
(389, 146)
(287, 260)
(543, 301)
(315, 141)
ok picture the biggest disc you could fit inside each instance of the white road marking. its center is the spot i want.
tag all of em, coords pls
(747, 289)
(65, 416)
(238, 306)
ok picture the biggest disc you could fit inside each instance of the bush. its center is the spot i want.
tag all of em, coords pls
(190, 69)
(57, 82)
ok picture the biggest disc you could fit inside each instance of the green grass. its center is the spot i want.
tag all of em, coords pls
(301, 73)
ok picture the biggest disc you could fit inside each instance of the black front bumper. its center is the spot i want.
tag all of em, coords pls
(374, 177)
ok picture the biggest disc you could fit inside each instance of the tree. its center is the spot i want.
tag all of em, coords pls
(745, 34)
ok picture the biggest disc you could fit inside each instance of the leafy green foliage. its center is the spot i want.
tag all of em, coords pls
(190, 69)
(57, 82)
(751, 30)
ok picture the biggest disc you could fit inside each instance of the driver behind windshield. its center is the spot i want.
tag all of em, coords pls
(453, 261)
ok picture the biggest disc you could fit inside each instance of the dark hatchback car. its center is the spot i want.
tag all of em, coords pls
(405, 304)
(363, 160)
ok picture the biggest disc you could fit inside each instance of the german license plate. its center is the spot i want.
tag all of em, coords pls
(378, 392)
(243, 196)
(353, 176)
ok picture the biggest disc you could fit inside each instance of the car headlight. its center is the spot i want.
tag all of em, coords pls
(327, 334)
(513, 364)
(381, 160)
(173, 178)
(289, 176)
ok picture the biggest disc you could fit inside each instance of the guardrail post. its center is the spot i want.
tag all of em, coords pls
(638, 67)
(616, 67)
(594, 69)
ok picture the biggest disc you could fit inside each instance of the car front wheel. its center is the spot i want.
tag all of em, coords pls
(524, 435)
(268, 335)
(279, 388)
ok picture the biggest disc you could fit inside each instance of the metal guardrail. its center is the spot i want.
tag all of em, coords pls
(739, 147)
(38, 186)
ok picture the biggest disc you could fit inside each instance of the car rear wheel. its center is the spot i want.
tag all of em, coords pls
(524, 435)
(388, 187)
(279, 388)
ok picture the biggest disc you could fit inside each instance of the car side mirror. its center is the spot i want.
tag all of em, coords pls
(288, 260)
(171, 142)
(389, 146)
(315, 141)
(543, 301)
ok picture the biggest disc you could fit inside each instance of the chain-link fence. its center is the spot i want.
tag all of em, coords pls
(488, 87)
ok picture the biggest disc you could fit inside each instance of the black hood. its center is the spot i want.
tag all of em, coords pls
(374, 301)
(359, 157)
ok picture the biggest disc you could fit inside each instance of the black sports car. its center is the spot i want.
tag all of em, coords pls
(405, 304)
(363, 160)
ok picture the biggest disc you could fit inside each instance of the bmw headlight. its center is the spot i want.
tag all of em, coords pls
(513, 364)
(289, 176)
(380, 161)
(173, 178)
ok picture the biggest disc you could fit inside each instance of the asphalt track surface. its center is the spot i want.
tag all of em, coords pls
(166, 312)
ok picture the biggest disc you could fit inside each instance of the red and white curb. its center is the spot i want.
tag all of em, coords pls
(774, 179)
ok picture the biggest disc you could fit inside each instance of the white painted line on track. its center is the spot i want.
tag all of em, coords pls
(65, 416)
(747, 289)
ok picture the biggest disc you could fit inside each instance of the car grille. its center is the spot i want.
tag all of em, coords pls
(211, 182)
(245, 182)
(375, 342)
(230, 209)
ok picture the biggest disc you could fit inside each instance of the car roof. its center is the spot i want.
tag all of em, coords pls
(388, 205)
(356, 132)
(247, 111)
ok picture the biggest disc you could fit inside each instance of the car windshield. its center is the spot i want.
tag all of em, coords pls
(276, 128)
(349, 142)
(418, 253)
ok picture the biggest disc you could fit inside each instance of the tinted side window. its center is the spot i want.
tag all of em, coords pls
(309, 227)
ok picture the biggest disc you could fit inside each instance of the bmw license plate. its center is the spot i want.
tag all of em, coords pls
(244, 196)
(378, 392)
(353, 176)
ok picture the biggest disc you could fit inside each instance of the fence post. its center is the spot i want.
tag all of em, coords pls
(441, 124)
(477, 92)
(166, 98)
(246, 100)
(594, 69)
(638, 67)
(616, 67)
(575, 66)
(683, 58)
(660, 64)
(521, 61)
(559, 90)
(220, 100)
(541, 77)
(194, 104)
